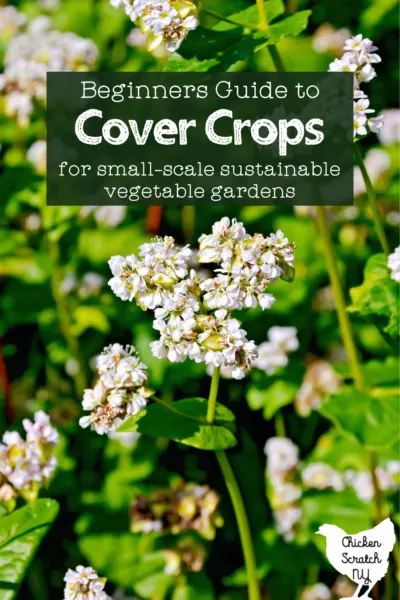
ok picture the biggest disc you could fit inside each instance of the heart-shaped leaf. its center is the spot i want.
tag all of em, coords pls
(377, 298)
(20, 535)
(372, 421)
(185, 422)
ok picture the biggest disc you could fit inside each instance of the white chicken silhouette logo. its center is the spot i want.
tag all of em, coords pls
(363, 557)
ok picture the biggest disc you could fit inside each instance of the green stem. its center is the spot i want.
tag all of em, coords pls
(63, 314)
(188, 222)
(212, 13)
(280, 425)
(263, 14)
(212, 398)
(343, 316)
(243, 525)
(276, 59)
(236, 498)
(375, 485)
(379, 227)
(273, 50)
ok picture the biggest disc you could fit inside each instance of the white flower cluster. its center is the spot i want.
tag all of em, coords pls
(318, 591)
(273, 354)
(11, 22)
(388, 478)
(320, 379)
(164, 21)
(248, 264)
(358, 58)
(193, 315)
(322, 476)
(394, 264)
(84, 584)
(30, 56)
(150, 280)
(88, 286)
(106, 216)
(288, 479)
(27, 465)
(37, 155)
(120, 391)
(284, 493)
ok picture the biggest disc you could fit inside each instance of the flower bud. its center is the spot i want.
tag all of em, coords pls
(214, 342)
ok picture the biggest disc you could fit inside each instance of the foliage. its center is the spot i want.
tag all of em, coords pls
(57, 313)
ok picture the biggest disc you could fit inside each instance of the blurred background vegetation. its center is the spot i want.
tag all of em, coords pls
(57, 313)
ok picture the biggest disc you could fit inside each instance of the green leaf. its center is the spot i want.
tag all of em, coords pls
(192, 65)
(89, 317)
(376, 372)
(343, 509)
(279, 394)
(95, 244)
(185, 422)
(377, 298)
(372, 421)
(20, 535)
(251, 16)
(290, 25)
(207, 43)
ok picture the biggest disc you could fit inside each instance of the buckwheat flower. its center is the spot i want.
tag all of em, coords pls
(166, 22)
(106, 216)
(187, 556)
(37, 156)
(394, 264)
(218, 246)
(282, 455)
(322, 477)
(320, 379)
(360, 122)
(84, 584)
(28, 464)
(390, 131)
(343, 587)
(30, 55)
(120, 391)
(286, 521)
(11, 22)
(343, 65)
(273, 354)
(328, 39)
(375, 124)
(358, 58)
(90, 285)
(318, 591)
(181, 508)
(361, 483)
(40, 430)
(149, 279)
(284, 494)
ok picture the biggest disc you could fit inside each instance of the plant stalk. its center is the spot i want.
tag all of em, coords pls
(379, 227)
(64, 319)
(243, 525)
(262, 14)
(343, 316)
(276, 58)
(347, 336)
(188, 222)
(212, 398)
(236, 498)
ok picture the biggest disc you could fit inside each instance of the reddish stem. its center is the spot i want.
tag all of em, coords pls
(5, 384)
(153, 220)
